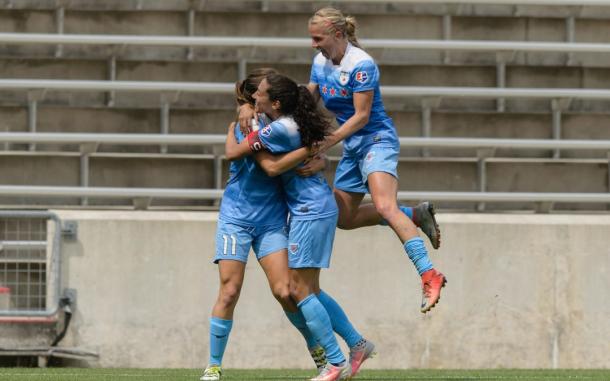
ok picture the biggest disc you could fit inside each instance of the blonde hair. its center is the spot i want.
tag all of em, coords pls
(334, 20)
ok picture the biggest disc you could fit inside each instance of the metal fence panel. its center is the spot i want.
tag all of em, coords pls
(29, 263)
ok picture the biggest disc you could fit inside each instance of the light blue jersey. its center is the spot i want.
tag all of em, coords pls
(357, 72)
(310, 197)
(251, 197)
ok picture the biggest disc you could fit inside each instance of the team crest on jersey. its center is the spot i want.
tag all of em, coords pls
(362, 76)
(344, 78)
(293, 247)
(266, 131)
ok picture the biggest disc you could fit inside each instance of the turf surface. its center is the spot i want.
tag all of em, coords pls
(81, 374)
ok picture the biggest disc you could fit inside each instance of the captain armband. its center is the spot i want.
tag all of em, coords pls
(254, 142)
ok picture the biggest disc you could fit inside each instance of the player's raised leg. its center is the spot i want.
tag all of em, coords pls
(384, 187)
(353, 215)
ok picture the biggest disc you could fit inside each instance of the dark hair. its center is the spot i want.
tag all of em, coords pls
(244, 90)
(298, 102)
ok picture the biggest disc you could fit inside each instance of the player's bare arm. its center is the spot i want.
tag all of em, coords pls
(275, 165)
(313, 89)
(363, 102)
(233, 149)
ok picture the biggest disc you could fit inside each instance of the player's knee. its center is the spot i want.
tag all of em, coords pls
(281, 292)
(386, 208)
(298, 291)
(229, 294)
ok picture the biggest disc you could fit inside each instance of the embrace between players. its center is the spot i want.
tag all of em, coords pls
(277, 152)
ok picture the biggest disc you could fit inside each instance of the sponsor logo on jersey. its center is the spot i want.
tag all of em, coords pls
(333, 92)
(370, 156)
(362, 76)
(344, 78)
(266, 131)
(293, 247)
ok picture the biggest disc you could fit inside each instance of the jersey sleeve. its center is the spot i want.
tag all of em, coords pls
(275, 138)
(364, 77)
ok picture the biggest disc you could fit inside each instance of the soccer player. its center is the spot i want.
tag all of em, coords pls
(347, 80)
(313, 218)
(253, 214)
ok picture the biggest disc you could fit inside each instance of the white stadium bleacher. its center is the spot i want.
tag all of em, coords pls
(512, 105)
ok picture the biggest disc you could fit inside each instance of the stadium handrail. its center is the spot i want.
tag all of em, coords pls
(216, 194)
(229, 88)
(288, 42)
(490, 2)
(219, 139)
(185, 5)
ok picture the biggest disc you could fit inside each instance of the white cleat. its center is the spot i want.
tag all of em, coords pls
(333, 373)
(211, 373)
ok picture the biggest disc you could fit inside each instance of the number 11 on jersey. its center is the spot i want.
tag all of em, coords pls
(225, 239)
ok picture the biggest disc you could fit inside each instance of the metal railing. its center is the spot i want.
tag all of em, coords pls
(491, 2)
(288, 42)
(30, 265)
(229, 88)
(216, 194)
(218, 139)
(185, 5)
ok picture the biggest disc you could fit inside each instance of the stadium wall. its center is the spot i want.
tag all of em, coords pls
(524, 291)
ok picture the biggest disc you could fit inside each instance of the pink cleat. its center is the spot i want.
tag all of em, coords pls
(359, 354)
(432, 282)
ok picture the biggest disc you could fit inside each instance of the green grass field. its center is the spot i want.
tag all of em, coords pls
(80, 374)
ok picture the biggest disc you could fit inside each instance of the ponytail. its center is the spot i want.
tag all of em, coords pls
(350, 31)
(298, 102)
(313, 127)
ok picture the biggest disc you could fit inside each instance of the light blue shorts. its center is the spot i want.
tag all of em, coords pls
(310, 242)
(233, 242)
(353, 171)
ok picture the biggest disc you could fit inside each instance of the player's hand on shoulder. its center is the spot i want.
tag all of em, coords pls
(312, 166)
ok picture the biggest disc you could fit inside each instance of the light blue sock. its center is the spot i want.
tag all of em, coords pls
(416, 250)
(219, 336)
(319, 324)
(339, 320)
(298, 320)
(407, 210)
